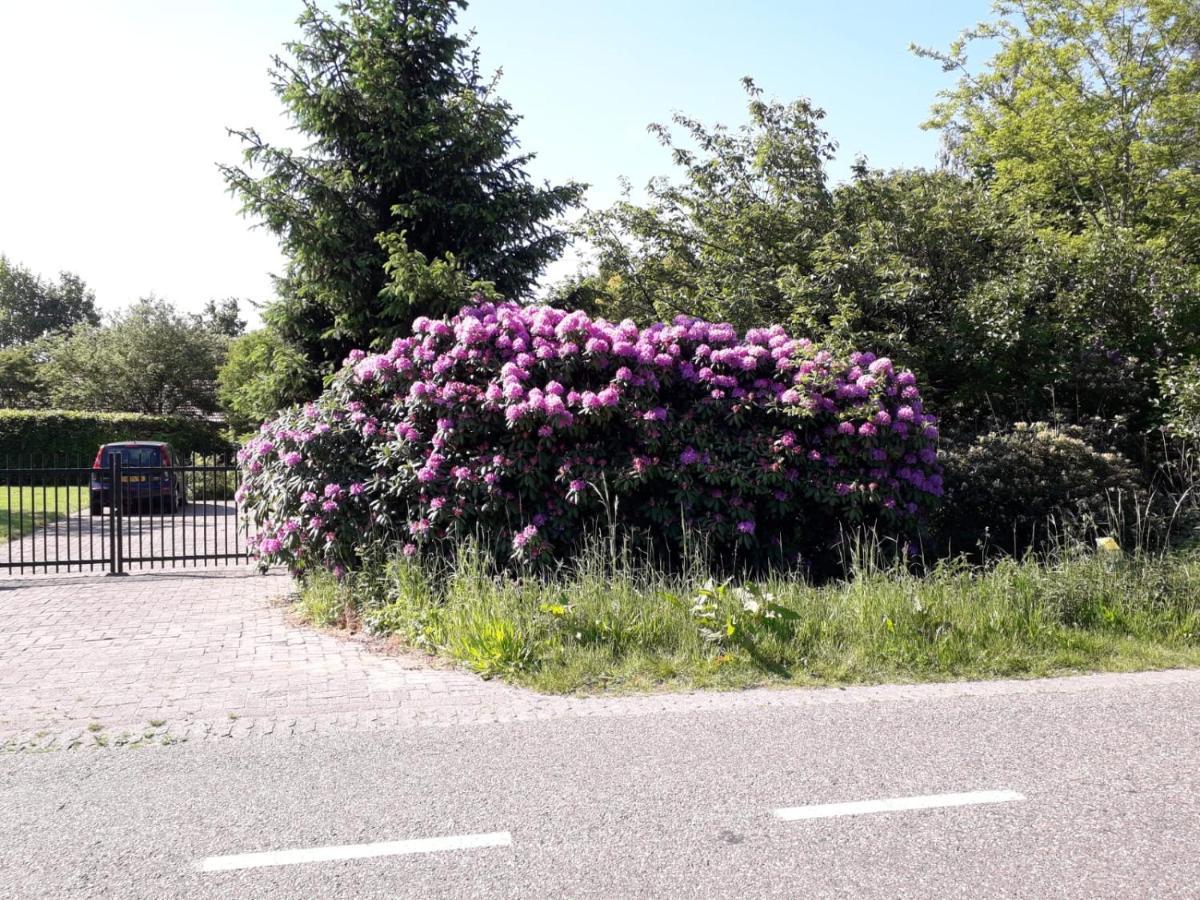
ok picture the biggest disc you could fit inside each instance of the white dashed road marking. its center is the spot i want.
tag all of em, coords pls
(895, 804)
(353, 851)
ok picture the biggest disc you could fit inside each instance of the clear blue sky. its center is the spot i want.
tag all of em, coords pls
(589, 77)
(116, 109)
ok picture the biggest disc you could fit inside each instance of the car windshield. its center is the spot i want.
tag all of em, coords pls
(134, 456)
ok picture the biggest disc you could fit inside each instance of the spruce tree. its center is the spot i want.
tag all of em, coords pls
(408, 152)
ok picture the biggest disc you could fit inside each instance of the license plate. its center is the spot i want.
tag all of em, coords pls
(126, 479)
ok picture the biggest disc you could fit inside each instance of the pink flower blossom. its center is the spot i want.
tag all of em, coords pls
(493, 397)
(524, 536)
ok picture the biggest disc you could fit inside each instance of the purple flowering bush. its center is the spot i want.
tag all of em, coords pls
(529, 426)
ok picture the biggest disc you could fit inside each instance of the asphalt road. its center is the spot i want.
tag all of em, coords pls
(674, 804)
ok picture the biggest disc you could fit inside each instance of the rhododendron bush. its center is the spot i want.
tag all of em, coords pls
(529, 426)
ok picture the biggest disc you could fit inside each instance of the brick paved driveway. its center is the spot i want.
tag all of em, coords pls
(180, 655)
(203, 653)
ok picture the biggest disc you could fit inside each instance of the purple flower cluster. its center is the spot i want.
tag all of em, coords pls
(496, 421)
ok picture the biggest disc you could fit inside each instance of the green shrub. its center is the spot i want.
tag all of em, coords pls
(212, 485)
(1008, 490)
(532, 427)
(261, 375)
(55, 434)
(1180, 387)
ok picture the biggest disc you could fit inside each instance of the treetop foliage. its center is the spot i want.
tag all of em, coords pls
(260, 375)
(729, 238)
(148, 358)
(1086, 114)
(1050, 274)
(406, 140)
(32, 307)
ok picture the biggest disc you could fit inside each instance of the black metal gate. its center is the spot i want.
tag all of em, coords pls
(65, 516)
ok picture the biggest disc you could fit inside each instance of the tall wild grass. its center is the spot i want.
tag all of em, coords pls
(613, 619)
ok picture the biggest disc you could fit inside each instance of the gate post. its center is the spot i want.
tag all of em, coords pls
(116, 515)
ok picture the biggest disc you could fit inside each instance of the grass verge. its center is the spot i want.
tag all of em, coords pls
(598, 629)
(25, 509)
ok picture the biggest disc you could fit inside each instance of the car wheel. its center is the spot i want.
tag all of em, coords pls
(97, 505)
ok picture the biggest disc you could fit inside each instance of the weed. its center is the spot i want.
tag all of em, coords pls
(492, 647)
(611, 622)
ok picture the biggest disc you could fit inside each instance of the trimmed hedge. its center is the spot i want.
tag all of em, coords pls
(72, 435)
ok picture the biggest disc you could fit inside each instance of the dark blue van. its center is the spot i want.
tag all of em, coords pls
(147, 476)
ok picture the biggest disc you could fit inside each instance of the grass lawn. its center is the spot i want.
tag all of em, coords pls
(24, 509)
(587, 633)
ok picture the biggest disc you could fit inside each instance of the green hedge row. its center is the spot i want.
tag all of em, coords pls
(68, 435)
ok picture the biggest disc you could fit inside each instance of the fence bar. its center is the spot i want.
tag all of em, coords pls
(8, 504)
(152, 528)
(55, 483)
(178, 507)
(237, 531)
(21, 514)
(225, 508)
(197, 505)
(137, 501)
(33, 486)
(115, 512)
(207, 510)
(114, 474)
(92, 522)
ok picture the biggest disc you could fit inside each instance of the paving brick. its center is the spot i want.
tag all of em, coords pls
(188, 651)
(199, 656)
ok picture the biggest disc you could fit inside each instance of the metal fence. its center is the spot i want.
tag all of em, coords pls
(63, 515)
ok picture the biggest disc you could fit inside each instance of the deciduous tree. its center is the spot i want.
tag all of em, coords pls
(1085, 114)
(729, 239)
(32, 307)
(148, 358)
(261, 375)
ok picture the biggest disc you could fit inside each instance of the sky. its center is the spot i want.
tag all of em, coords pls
(115, 112)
